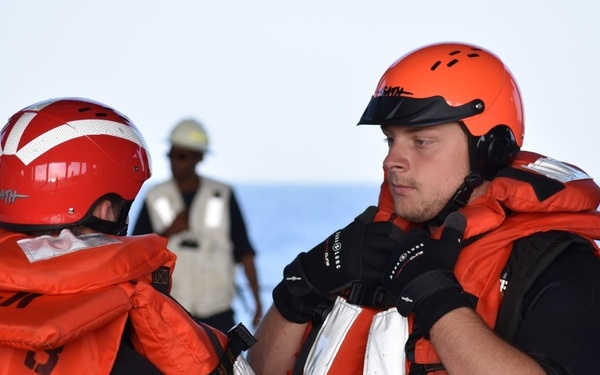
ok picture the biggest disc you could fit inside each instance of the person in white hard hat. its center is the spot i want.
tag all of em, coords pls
(204, 225)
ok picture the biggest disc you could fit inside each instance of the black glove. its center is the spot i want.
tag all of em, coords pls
(358, 252)
(421, 273)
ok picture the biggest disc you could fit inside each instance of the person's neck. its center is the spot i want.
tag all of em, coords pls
(189, 183)
(479, 190)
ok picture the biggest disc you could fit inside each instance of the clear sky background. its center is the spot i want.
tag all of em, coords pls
(281, 84)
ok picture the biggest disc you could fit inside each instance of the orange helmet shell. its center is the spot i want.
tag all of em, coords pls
(57, 157)
(462, 75)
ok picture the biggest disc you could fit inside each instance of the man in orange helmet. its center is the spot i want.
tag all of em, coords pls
(76, 296)
(479, 258)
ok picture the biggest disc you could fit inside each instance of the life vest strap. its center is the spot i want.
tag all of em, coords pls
(319, 315)
(409, 348)
(239, 340)
(370, 295)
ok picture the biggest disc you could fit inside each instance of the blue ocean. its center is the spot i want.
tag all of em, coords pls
(286, 219)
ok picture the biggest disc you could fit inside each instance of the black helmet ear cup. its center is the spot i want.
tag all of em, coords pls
(495, 150)
(499, 151)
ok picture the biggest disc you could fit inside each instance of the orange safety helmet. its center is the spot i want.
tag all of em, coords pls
(454, 82)
(58, 157)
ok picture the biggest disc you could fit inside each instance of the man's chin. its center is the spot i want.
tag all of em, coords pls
(412, 216)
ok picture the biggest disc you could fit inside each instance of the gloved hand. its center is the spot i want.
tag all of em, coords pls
(421, 273)
(360, 251)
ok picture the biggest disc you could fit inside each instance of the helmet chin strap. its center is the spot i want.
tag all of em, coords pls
(474, 179)
(459, 199)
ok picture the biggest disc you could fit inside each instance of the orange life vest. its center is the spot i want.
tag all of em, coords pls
(66, 314)
(535, 204)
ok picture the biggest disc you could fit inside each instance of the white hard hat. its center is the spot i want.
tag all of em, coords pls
(189, 134)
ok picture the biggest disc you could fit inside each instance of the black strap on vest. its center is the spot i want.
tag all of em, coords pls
(528, 260)
(369, 295)
(409, 348)
(240, 339)
(319, 315)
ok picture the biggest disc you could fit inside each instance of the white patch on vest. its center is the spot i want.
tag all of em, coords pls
(330, 337)
(164, 209)
(241, 367)
(46, 247)
(557, 170)
(214, 212)
(385, 346)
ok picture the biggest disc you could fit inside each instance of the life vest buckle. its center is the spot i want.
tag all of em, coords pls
(240, 339)
(370, 295)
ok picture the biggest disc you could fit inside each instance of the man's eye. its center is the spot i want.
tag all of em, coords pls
(388, 141)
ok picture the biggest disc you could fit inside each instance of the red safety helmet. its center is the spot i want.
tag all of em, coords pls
(58, 157)
(454, 82)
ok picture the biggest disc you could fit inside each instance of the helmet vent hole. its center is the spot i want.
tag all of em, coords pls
(84, 109)
(454, 61)
(101, 114)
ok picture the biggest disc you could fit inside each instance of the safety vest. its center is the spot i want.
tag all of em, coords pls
(536, 194)
(64, 302)
(205, 279)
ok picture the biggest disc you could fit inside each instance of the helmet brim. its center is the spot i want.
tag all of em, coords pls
(408, 111)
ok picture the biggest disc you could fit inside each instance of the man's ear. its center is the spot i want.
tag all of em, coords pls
(104, 211)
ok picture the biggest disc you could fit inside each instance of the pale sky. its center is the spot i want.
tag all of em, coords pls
(280, 85)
